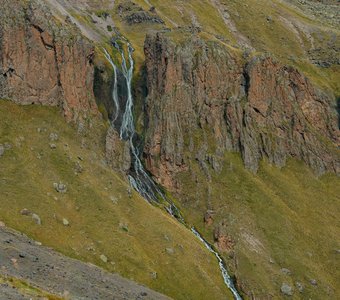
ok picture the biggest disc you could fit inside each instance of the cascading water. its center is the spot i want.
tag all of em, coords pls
(138, 177)
(227, 279)
(115, 86)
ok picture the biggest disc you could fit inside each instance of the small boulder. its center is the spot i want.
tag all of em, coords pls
(2, 224)
(66, 222)
(60, 187)
(114, 199)
(78, 168)
(25, 212)
(286, 271)
(269, 19)
(2, 150)
(286, 289)
(103, 258)
(313, 282)
(153, 275)
(54, 137)
(53, 146)
(299, 286)
(170, 251)
(36, 219)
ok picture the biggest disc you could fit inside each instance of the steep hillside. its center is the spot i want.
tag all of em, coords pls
(232, 107)
(205, 102)
(59, 275)
(276, 227)
(52, 175)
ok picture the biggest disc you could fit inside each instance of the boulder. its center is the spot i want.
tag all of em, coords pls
(60, 187)
(54, 137)
(286, 271)
(170, 251)
(25, 212)
(313, 282)
(286, 289)
(2, 150)
(103, 258)
(36, 219)
(299, 286)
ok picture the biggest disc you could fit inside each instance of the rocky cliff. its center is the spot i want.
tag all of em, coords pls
(43, 61)
(204, 100)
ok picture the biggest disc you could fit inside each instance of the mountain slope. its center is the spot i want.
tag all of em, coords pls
(236, 105)
(103, 216)
(204, 103)
(69, 278)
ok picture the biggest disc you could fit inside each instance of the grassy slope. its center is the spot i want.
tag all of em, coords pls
(173, 15)
(290, 212)
(288, 43)
(131, 233)
(288, 216)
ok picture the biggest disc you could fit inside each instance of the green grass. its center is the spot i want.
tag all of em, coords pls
(263, 23)
(288, 216)
(275, 37)
(131, 233)
(207, 16)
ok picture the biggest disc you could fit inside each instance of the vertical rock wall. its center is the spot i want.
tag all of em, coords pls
(43, 61)
(204, 100)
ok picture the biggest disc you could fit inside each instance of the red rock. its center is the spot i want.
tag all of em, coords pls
(44, 63)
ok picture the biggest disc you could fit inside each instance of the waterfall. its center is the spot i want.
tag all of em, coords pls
(139, 179)
(227, 279)
(115, 85)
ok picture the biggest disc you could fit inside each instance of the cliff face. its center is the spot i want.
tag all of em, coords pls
(204, 100)
(44, 62)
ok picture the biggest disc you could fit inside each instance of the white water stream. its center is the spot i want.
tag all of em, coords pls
(138, 177)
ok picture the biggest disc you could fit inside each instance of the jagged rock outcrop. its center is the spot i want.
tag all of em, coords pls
(44, 62)
(204, 100)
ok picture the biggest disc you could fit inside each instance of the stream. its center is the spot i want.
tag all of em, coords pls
(139, 179)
